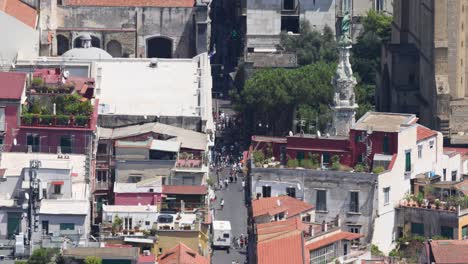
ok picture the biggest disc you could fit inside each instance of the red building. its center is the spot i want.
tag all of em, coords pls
(47, 111)
(374, 133)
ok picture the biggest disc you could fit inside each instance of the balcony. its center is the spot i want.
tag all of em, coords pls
(59, 121)
(101, 185)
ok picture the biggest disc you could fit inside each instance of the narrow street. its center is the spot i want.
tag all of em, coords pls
(235, 211)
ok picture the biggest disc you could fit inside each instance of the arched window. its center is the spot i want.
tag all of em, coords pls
(63, 44)
(114, 48)
(95, 42)
(159, 47)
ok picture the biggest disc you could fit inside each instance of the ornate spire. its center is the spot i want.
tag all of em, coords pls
(344, 105)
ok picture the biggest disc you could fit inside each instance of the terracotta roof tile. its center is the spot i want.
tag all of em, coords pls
(146, 3)
(287, 204)
(12, 84)
(184, 189)
(424, 132)
(330, 239)
(450, 251)
(20, 11)
(287, 248)
(181, 254)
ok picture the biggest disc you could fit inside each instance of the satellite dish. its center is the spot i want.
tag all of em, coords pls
(26, 196)
(319, 134)
(15, 142)
(66, 74)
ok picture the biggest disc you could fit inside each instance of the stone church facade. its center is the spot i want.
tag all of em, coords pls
(423, 69)
(133, 28)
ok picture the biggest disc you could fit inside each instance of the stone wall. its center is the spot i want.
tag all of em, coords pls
(431, 218)
(338, 186)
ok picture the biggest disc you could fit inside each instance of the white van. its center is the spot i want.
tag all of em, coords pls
(222, 234)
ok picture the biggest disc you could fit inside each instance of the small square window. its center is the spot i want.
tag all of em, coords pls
(147, 223)
(57, 189)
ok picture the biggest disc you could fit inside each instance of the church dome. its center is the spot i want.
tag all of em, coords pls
(86, 51)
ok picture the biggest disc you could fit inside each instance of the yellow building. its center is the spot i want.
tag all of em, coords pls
(463, 224)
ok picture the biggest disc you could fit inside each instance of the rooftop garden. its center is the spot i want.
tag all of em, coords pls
(431, 198)
(63, 110)
(38, 86)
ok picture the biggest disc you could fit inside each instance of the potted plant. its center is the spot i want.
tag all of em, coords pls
(420, 199)
(27, 119)
(62, 120)
(46, 120)
(437, 203)
(81, 120)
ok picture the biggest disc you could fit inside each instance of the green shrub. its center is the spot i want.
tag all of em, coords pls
(62, 120)
(21, 262)
(258, 156)
(375, 251)
(45, 119)
(437, 237)
(359, 167)
(93, 260)
(36, 82)
(293, 163)
(336, 166)
(309, 164)
(378, 170)
(81, 120)
(28, 118)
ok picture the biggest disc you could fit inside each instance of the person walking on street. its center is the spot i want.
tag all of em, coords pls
(226, 182)
(222, 203)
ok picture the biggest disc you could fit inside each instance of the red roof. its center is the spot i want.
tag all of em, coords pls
(462, 151)
(424, 132)
(268, 230)
(287, 248)
(276, 205)
(147, 3)
(181, 254)
(450, 251)
(184, 189)
(330, 239)
(146, 259)
(20, 11)
(12, 84)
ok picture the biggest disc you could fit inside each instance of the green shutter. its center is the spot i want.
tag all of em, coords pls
(464, 231)
(417, 229)
(408, 161)
(300, 155)
(446, 231)
(385, 145)
(326, 158)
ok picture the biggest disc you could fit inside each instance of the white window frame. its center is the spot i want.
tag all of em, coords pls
(420, 151)
(386, 192)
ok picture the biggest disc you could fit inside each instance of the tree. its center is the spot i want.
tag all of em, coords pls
(366, 52)
(274, 98)
(42, 256)
(311, 45)
(93, 260)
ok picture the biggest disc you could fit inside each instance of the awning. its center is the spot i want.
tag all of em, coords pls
(57, 183)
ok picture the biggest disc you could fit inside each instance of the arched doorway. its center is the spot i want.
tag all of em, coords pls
(159, 47)
(114, 48)
(95, 42)
(63, 44)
